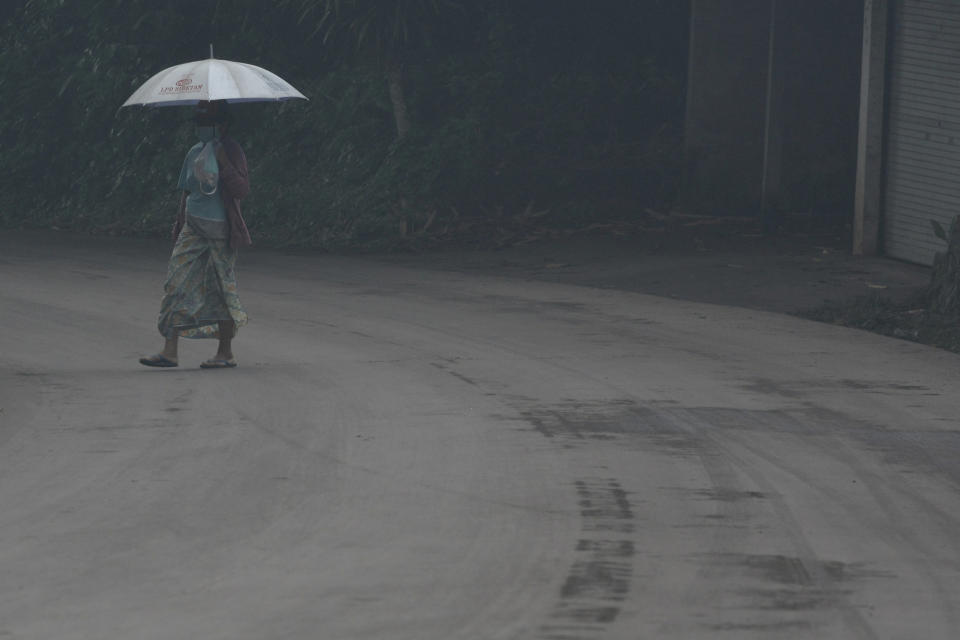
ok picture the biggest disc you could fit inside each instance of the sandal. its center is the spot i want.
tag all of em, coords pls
(158, 361)
(218, 363)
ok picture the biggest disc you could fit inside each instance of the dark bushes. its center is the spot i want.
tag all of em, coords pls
(575, 113)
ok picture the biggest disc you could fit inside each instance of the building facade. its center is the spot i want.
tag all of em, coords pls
(909, 148)
(844, 108)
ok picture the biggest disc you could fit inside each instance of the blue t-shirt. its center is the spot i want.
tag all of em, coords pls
(208, 209)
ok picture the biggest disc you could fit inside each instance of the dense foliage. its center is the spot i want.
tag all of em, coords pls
(568, 108)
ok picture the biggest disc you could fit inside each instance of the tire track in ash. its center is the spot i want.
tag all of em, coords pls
(890, 496)
(599, 578)
(802, 583)
(784, 593)
(812, 583)
(732, 483)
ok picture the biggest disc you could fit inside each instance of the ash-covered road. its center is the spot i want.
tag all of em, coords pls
(412, 454)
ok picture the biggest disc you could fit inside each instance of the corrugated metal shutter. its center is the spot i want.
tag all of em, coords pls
(923, 136)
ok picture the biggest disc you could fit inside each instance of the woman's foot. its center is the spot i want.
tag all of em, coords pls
(158, 360)
(219, 362)
(166, 358)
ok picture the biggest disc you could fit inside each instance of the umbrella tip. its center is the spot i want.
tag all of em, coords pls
(211, 51)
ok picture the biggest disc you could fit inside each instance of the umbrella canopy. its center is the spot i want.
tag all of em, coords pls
(212, 79)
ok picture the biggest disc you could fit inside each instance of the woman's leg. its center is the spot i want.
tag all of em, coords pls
(224, 348)
(170, 348)
(166, 358)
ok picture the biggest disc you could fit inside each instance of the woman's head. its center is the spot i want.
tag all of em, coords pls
(214, 113)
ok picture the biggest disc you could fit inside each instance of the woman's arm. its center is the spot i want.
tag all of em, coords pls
(232, 162)
(181, 218)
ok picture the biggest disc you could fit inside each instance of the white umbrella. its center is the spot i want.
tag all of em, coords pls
(212, 79)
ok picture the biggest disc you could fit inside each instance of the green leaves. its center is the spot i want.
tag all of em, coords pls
(388, 30)
(508, 104)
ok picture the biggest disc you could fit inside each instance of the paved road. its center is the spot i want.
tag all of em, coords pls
(411, 454)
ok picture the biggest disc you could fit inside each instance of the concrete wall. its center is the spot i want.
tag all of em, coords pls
(726, 100)
(810, 144)
(821, 51)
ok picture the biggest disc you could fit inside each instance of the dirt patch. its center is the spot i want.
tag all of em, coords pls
(906, 319)
(717, 261)
(806, 269)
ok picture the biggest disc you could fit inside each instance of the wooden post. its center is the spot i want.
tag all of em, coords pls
(772, 125)
(869, 183)
(691, 58)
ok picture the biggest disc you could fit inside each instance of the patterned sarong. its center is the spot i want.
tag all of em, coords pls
(201, 288)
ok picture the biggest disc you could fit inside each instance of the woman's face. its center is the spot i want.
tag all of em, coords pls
(207, 130)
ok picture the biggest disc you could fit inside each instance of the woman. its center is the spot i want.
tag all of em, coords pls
(200, 295)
